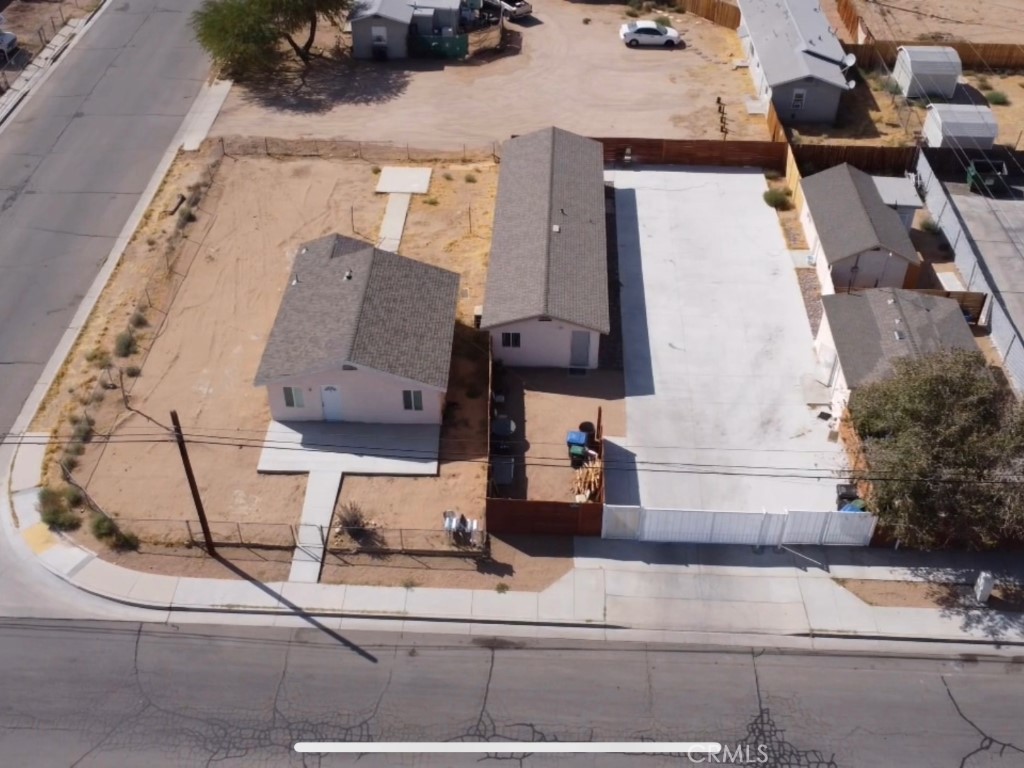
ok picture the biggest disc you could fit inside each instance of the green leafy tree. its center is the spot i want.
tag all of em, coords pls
(243, 35)
(240, 35)
(944, 444)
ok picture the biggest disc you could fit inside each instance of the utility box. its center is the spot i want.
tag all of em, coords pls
(983, 587)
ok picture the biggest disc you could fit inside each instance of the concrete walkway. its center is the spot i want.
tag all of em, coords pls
(317, 510)
(400, 184)
(616, 591)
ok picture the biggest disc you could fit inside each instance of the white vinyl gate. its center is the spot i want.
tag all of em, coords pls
(853, 529)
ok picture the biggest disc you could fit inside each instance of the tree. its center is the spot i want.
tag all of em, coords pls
(944, 445)
(240, 35)
(243, 35)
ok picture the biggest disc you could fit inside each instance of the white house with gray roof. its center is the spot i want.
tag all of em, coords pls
(862, 334)
(361, 335)
(794, 58)
(546, 303)
(381, 28)
(856, 240)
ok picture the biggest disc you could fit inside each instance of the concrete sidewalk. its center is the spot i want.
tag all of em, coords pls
(617, 591)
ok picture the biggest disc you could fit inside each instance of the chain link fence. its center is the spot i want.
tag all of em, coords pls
(33, 41)
(341, 149)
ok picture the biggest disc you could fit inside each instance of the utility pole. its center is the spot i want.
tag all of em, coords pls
(207, 536)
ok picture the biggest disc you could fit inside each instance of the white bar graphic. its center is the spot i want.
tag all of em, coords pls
(506, 747)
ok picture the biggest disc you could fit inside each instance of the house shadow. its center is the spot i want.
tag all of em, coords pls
(508, 384)
(636, 341)
(330, 81)
(621, 482)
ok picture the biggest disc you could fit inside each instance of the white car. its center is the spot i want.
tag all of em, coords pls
(649, 33)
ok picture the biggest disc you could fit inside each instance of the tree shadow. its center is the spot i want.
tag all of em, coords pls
(331, 81)
(999, 619)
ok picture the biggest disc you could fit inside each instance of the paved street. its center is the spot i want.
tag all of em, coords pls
(100, 694)
(72, 166)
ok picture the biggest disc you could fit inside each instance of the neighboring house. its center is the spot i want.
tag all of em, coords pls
(855, 239)
(900, 194)
(795, 58)
(547, 281)
(382, 29)
(361, 335)
(862, 334)
(927, 70)
(960, 126)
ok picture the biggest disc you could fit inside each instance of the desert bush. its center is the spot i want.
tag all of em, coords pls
(984, 84)
(99, 357)
(501, 588)
(103, 527)
(632, 13)
(125, 344)
(133, 371)
(53, 511)
(75, 448)
(778, 199)
(448, 176)
(998, 98)
(470, 178)
(930, 226)
(73, 496)
(352, 517)
(665, 21)
(430, 201)
(138, 319)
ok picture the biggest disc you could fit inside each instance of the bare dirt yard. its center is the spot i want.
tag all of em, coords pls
(999, 21)
(193, 316)
(34, 21)
(569, 73)
(523, 564)
(1009, 116)
(923, 594)
(869, 114)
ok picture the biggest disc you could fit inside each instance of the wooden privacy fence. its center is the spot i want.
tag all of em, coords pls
(972, 55)
(722, 14)
(812, 158)
(759, 154)
(851, 19)
(519, 517)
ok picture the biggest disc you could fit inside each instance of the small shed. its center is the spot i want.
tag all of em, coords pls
(961, 126)
(927, 70)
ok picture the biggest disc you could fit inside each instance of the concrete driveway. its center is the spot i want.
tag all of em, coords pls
(717, 344)
(73, 164)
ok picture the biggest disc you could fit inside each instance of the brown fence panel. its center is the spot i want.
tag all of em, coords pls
(972, 55)
(722, 14)
(517, 517)
(811, 158)
(759, 154)
(851, 18)
(775, 128)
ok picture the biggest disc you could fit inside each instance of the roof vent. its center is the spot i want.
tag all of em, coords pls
(348, 274)
(899, 335)
(295, 279)
(555, 228)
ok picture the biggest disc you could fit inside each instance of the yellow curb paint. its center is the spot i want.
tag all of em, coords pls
(39, 538)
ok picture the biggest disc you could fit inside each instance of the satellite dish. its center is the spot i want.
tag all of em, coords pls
(849, 60)
(851, 84)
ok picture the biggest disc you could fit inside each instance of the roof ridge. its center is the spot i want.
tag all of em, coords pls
(550, 223)
(362, 299)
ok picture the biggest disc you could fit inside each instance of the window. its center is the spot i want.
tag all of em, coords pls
(510, 340)
(798, 98)
(412, 400)
(293, 397)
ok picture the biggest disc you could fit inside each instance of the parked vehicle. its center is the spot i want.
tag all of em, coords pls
(515, 9)
(637, 33)
(8, 46)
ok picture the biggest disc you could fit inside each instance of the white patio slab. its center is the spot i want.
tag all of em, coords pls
(389, 237)
(28, 461)
(716, 344)
(362, 449)
(395, 178)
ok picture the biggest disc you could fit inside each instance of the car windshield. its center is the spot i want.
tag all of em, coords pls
(662, 30)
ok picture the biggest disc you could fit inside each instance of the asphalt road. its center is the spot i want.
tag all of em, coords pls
(73, 164)
(108, 694)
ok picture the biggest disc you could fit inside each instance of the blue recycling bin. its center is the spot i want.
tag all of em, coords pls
(577, 438)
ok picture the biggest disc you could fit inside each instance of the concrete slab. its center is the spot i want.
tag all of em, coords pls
(393, 224)
(65, 559)
(105, 578)
(223, 593)
(588, 595)
(28, 461)
(375, 599)
(366, 449)
(24, 503)
(317, 511)
(439, 602)
(315, 597)
(716, 341)
(414, 181)
(154, 589)
(556, 602)
(203, 113)
(306, 566)
(511, 606)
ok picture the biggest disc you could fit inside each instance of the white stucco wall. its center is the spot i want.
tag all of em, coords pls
(825, 350)
(542, 344)
(366, 396)
(875, 269)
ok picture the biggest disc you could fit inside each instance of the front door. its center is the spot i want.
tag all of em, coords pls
(579, 350)
(380, 36)
(331, 398)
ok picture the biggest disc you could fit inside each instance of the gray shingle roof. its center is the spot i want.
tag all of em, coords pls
(550, 178)
(851, 217)
(864, 327)
(393, 314)
(793, 40)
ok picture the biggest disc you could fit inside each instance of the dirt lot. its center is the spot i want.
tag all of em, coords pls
(1009, 116)
(546, 404)
(917, 594)
(936, 20)
(521, 563)
(25, 18)
(198, 352)
(574, 75)
(867, 115)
